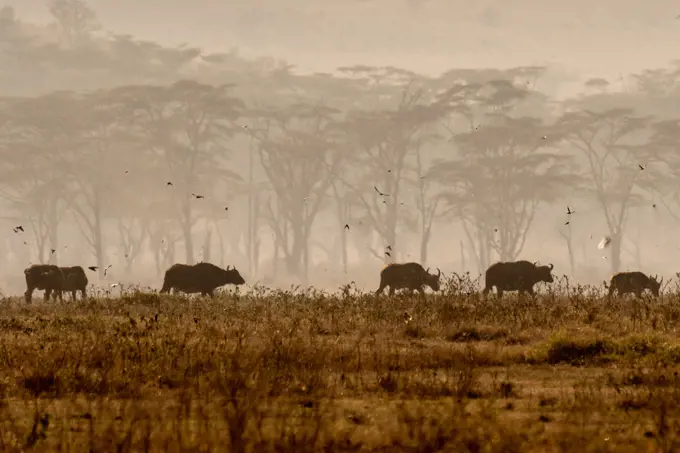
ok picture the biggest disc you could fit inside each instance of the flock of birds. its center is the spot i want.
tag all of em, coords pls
(604, 242)
(20, 229)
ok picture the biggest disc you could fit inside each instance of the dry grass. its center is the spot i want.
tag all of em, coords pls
(311, 371)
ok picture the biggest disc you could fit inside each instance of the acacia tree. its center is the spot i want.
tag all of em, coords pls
(619, 164)
(494, 121)
(162, 235)
(99, 157)
(76, 20)
(664, 140)
(497, 180)
(386, 140)
(38, 131)
(343, 201)
(129, 214)
(188, 125)
(567, 235)
(298, 152)
(427, 205)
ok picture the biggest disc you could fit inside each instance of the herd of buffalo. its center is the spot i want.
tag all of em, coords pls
(205, 277)
(200, 278)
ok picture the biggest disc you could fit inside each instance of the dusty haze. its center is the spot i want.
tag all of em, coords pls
(574, 41)
(607, 38)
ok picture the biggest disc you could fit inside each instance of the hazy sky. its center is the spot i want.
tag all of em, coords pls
(602, 37)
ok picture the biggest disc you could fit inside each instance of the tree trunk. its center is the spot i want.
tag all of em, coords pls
(570, 251)
(53, 231)
(295, 254)
(40, 239)
(343, 252)
(277, 250)
(206, 245)
(483, 250)
(569, 242)
(584, 252)
(638, 249)
(97, 236)
(252, 220)
(156, 247)
(254, 250)
(169, 254)
(424, 241)
(306, 233)
(343, 213)
(390, 236)
(186, 231)
(615, 254)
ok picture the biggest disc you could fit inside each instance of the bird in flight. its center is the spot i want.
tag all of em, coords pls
(604, 243)
(380, 193)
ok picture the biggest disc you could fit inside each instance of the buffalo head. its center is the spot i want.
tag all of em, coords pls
(233, 277)
(544, 273)
(432, 280)
(655, 285)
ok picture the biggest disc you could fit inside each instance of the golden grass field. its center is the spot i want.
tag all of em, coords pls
(308, 371)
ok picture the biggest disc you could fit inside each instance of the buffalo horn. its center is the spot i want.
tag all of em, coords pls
(551, 266)
(439, 272)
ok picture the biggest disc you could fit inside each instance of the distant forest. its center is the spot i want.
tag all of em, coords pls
(142, 155)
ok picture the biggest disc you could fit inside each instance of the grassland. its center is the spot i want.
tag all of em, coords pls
(303, 371)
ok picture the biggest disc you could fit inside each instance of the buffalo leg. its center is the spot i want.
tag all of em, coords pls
(422, 292)
(391, 292)
(499, 292)
(28, 295)
(83, 294)
(48, 293)
(381, 289)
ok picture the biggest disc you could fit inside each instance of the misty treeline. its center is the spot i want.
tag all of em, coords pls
(162, 155)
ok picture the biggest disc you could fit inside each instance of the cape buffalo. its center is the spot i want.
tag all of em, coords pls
(75, 280)
(54, 280)
(633, 282)
(516, 276)
(46, 277)
(199, 278)
(411, 276)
